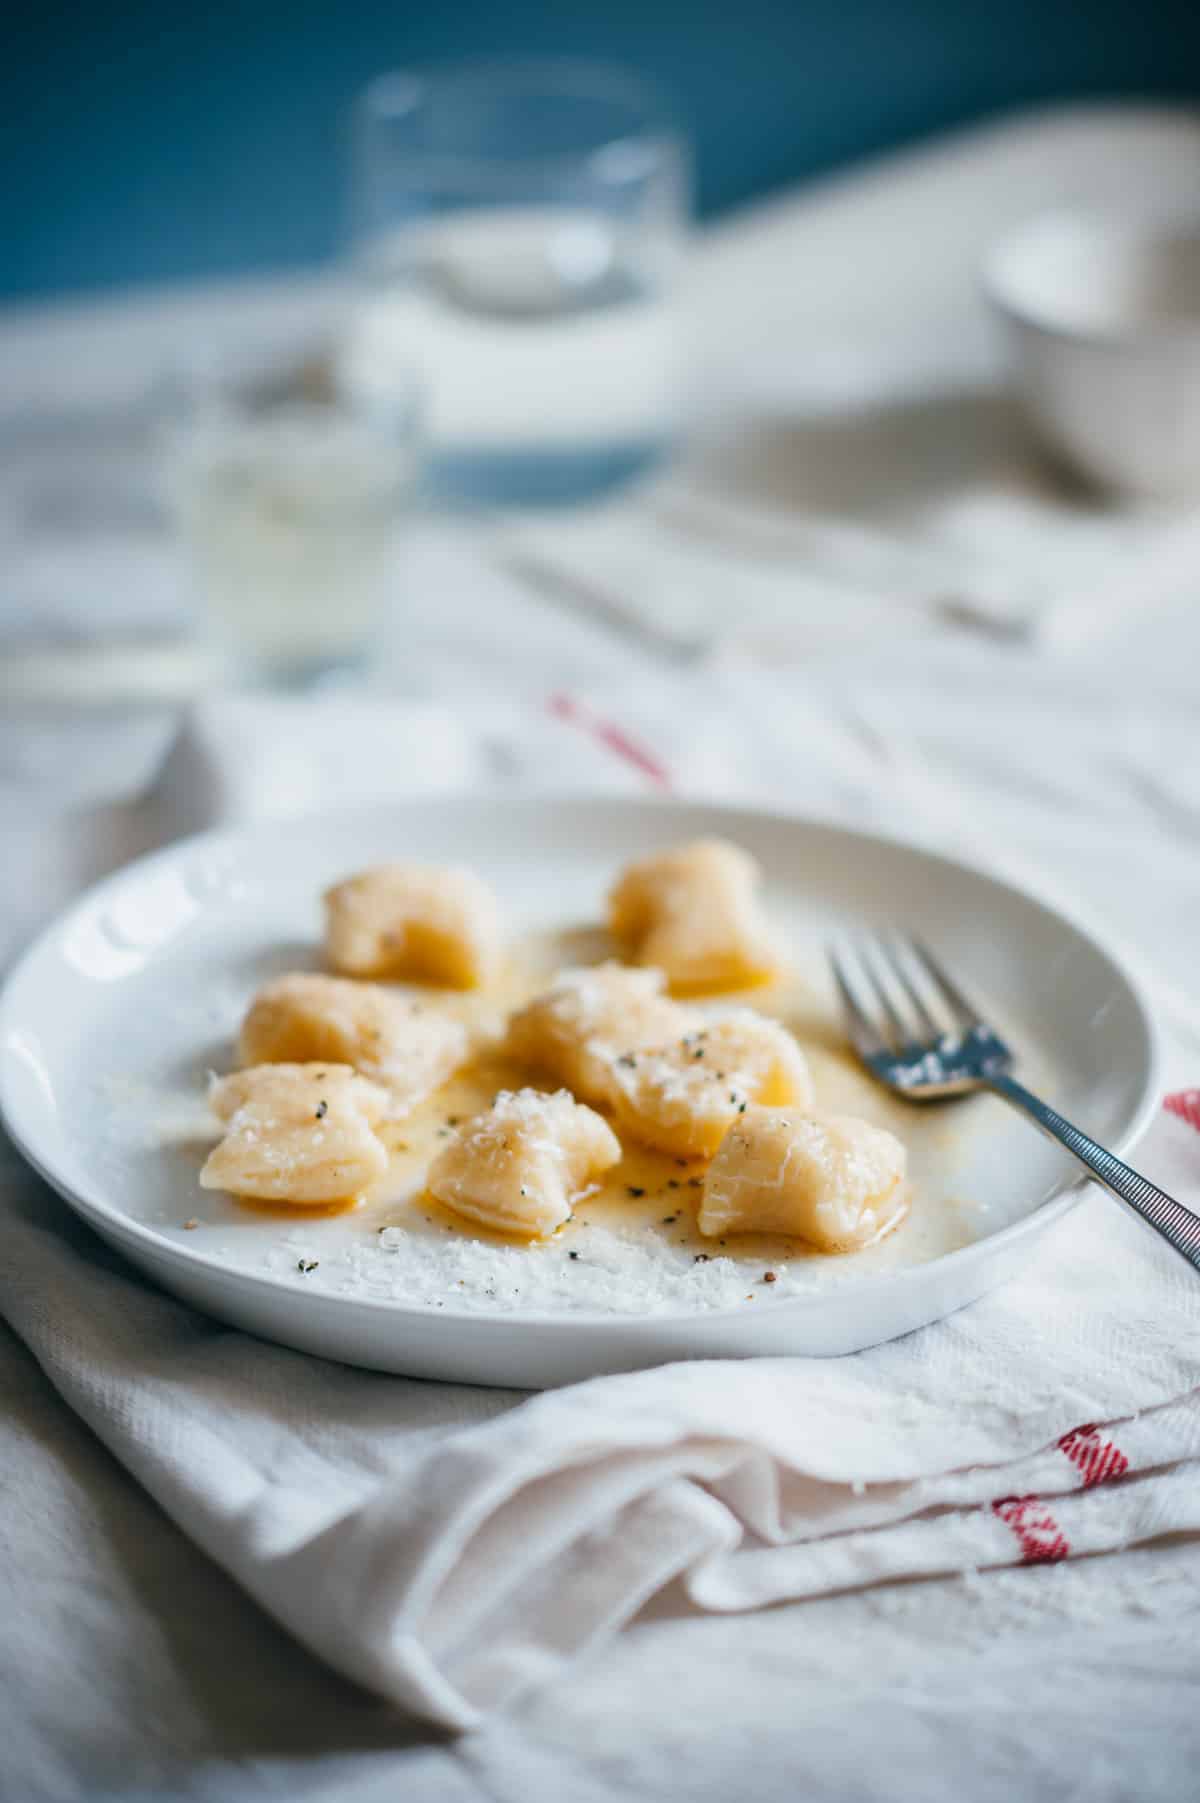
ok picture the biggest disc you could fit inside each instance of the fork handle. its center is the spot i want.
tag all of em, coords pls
(1177, 1224)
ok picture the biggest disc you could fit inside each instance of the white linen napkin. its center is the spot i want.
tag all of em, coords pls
(449, 1547)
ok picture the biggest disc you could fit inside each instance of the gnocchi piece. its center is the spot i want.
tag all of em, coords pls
(302, 1133)
(587, 1020)
(682, 1097)
(396, 1042)
(693, 912)
(520, 1164)
(414, 920)
(838, 1183)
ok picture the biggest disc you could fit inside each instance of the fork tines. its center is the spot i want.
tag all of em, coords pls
(895, 993)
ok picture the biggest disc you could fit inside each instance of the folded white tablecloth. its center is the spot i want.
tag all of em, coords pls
(450, 1547)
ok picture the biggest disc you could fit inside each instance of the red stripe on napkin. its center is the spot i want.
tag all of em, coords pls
(1042, 1542)
(1096, 1459)
(608, 733)
(1185, 1103)
(1039, 1536)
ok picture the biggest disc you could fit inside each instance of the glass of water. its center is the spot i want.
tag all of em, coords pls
(519, 230)
(287, 503)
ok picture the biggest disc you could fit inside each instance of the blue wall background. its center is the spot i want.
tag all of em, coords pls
(166, 139)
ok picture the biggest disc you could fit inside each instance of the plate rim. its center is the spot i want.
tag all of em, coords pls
(112, 1223)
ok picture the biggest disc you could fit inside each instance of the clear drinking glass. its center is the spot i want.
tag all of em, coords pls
(287, 503)
(519, 229)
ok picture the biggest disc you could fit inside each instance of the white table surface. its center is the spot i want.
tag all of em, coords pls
(129, 1666)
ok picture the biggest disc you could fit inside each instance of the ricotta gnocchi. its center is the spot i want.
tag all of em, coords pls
(578, 1030)
(414, 921)
(682, 1097)
(406, 1047)
(694, 913)
(519, 1166)
(837, 1183)
(299, 1133)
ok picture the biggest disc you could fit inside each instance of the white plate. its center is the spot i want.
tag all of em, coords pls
(138, 986)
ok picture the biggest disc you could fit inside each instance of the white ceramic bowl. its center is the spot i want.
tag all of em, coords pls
(1103, 317)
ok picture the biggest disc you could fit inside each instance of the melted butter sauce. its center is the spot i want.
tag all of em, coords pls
(650, 1191)
(290, 1211)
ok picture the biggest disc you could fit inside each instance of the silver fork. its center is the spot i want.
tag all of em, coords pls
(917, 1032)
